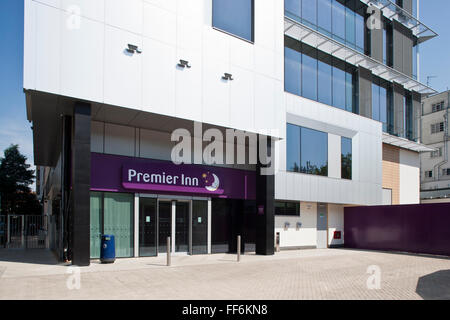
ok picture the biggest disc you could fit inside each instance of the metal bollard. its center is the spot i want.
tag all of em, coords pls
(238, 248)
(168, 252)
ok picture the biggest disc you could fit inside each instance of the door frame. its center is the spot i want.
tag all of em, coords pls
(173, 199)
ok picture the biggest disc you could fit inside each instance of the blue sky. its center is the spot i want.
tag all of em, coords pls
(14, 127)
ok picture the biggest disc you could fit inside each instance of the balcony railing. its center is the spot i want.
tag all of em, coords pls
(320, 41)
(394, 12)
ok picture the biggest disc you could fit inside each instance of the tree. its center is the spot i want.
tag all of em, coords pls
(15, 178)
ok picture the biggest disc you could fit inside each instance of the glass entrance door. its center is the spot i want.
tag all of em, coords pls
(184, 221)
(182, 226)
(164, 224)
(147, 227)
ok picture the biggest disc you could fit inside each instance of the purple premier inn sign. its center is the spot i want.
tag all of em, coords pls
(126, 174)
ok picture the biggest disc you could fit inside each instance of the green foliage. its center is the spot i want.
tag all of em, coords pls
(15, 180)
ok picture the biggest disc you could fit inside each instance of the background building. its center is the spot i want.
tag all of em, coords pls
(108, 81)
(435, 173)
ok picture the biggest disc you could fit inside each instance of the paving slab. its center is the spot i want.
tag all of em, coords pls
(293, 275)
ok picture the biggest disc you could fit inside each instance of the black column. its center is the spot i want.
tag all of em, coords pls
(265, 194)
(81, 184)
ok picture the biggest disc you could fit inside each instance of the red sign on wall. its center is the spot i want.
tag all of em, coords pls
(337, 235)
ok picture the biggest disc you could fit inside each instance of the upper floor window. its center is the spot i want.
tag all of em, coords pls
(437, 127)
(315, 75)
(235, 17)
(446, 172)
(306, 150)
(380, 102)
(338, 19)
(437, 107)
(428, 174)
(346, 158)
(437, 153)
(284, 208)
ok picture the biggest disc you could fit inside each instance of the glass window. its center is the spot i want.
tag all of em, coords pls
(309, 73)
(118, 221)
(293, 148)
(338, 21)
(284, 208)
(375, 102)
(292, 71)
(235, 17)
(349, 91)
(339, 84)
(307, 150)
(350, 36)
(359, 32)
(315, 75)
(324, 16)
(309, 12)
(293, 9)
(346, 158)
(383, 106)
(96, 226)
(325, 79)
(409, 117)
(313, 152)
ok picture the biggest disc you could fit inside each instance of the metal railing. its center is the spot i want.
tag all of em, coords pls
(24, 232)
(2, 231)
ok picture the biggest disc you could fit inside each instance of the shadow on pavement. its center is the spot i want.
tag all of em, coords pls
(434, 286)
(32, 256)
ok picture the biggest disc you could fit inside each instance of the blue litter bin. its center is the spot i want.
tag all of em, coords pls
(108, 250)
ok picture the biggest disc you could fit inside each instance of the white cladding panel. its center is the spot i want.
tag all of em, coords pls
(366, 186)
(306, 235)
(77, 48)
(409, 177)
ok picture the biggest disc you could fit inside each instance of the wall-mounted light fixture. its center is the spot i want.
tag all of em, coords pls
(133, 49)
(298, 226)
(286, 226)
(184, 64)
(228, 76)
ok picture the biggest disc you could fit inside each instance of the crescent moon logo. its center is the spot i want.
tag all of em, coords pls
(215, 185)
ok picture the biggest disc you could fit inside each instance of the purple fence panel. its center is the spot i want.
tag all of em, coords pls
(409, 228)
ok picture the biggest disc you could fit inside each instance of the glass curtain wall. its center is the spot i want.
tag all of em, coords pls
(341, 20)
(380, 101)
(315, 75)
(409, 117)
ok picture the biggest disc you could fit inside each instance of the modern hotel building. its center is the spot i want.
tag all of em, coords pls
(333, 83)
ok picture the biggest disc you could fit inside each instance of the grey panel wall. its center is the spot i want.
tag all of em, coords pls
(365, 92)
(376, 44)
(403, 41)
(407, 5)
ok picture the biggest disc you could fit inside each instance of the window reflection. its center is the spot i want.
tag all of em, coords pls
(346, 158)
(234, 16)
(339, 19)
(315, 75)
(307, 150)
